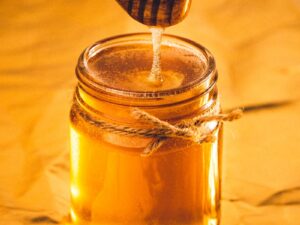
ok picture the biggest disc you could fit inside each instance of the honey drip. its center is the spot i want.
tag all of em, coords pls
(155, 76)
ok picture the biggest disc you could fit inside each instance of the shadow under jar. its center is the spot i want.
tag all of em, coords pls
(112, 182)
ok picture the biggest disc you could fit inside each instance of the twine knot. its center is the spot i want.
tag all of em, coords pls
(194, 129)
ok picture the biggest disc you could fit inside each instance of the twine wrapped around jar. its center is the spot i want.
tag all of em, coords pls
(194, 129)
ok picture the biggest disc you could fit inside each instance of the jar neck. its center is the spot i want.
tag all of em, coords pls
(122, 113)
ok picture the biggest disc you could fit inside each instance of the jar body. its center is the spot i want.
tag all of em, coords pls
(113, 184)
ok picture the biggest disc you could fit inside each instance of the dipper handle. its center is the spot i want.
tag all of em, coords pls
(161, 13)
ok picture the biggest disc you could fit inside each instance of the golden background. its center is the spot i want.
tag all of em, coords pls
(257, 47)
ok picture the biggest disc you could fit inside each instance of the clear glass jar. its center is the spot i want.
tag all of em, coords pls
(112, 183)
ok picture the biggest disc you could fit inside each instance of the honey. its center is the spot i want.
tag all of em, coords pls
(112, 183)
(155, 76)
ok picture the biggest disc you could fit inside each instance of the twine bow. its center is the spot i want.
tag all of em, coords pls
(193, 129)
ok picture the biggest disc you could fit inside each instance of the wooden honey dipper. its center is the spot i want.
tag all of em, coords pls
(159, 13)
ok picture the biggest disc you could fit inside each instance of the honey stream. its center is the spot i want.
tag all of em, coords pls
(155, 76)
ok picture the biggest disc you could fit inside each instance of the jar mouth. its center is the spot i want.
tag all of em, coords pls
(105, 91)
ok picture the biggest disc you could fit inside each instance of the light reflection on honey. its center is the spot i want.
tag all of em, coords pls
(213, 174)
(73, 216)
(75, 152)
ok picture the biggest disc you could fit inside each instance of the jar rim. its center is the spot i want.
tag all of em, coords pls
(200, 86)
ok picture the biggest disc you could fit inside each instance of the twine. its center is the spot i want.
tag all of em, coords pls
(194, 129)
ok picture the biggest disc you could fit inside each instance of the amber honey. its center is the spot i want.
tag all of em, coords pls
(112, 183)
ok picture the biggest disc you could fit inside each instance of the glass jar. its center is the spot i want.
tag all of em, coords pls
(112, 181)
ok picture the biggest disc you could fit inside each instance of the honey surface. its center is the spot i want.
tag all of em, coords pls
(128, 67)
